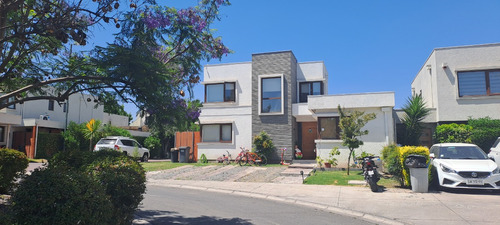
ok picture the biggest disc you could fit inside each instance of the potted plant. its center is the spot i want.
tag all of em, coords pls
(298, 155)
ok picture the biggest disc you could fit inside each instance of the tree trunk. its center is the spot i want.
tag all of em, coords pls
(349, 161)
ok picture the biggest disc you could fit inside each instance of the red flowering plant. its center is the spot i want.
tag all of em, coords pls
(298, 155)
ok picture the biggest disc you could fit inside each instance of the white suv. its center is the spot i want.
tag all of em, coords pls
(124, 144)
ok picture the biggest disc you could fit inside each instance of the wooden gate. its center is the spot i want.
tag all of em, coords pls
(190, 139)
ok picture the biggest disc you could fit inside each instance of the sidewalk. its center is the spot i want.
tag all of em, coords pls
(393, 206)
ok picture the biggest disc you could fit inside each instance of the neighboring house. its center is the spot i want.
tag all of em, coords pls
(288, 100)
(460, 82)
(21, 123)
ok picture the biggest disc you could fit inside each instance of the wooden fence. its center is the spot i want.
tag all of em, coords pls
(190, 139)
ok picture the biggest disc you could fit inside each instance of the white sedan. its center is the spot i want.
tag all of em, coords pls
(461, 165)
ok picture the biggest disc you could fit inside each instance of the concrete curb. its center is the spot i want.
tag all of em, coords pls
(333, 209)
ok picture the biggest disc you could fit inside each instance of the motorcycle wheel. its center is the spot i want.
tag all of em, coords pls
(373, 185)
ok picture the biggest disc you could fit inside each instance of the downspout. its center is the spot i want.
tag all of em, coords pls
(36, 140)
(8, 138)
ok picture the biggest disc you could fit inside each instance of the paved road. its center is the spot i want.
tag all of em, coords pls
(167, 205)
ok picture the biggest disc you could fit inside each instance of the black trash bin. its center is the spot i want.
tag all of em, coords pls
(184, 154)
(419, 174)
(174, 155)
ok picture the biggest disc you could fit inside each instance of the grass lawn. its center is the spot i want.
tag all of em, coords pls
(37, 160)
(156, 166)
(341, 178)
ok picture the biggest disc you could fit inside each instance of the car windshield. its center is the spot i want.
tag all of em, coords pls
(106, 141)
(461, 152)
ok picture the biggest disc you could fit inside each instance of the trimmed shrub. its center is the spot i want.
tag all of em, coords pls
(263, 144)
(122, 177)
(394, 161)
(48, 145)
(454, 133)
(411, 150)
(124, 180)
(58, 196)
(13, 164)
(391, 162)
(485, 132)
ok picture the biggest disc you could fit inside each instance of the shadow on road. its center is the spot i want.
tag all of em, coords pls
(170, 217)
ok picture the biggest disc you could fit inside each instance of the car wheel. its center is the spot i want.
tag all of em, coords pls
(145, 158)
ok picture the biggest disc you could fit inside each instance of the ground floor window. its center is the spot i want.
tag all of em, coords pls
(216, 133)
(329, 127)
(2, 134)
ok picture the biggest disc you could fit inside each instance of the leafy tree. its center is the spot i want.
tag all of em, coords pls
(34, 34)
(415, 112)
(350, 125)
(154, 59)
(74, 137)
(108, 130)
(110, 102)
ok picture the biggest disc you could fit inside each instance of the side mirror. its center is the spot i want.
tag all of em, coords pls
(431, 155)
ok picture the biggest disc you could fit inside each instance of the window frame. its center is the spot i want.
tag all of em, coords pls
(221, 125)
(486, 80)
(51, 105)
(311, 85)
(224, 97)
(282, 95)
(337, 131)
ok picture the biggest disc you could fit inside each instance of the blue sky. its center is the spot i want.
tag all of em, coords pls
(367, 46)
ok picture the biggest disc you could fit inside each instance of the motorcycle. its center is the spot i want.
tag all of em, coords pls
(370, 172)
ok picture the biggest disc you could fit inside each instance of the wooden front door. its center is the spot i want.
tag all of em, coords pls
(309, 134)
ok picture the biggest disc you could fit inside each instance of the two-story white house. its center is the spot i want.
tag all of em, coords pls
(460, 82)
(21, 123)
(289, 101)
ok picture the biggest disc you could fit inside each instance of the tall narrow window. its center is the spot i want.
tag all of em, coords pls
(271, 101)
(310, 88)
(51, 105)
(223, 92)
(216, 133)
(2, 134)
(329, 127)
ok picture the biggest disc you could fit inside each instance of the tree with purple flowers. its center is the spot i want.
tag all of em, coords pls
(154, 59)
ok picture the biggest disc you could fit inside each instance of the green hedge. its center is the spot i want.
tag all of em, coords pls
(13, 164)
(394, 160)
(453, 133)
(59, 196)
(48, 145)
(485, 132)
(121, 178)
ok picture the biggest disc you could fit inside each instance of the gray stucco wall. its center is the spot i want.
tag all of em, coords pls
(281, 128)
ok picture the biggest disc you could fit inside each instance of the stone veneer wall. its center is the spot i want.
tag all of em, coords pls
(281, 128)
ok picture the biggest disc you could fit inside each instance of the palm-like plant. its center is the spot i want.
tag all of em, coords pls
(92, 130)
(415, 112)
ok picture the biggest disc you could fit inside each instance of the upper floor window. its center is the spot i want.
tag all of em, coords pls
(11, 99)
(329, 127)
(222, 92)
(216, 133)
(479, 83)
(310, 88)
(51, 105)
(271, 95)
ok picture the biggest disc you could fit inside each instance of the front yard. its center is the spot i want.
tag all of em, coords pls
(338, 177)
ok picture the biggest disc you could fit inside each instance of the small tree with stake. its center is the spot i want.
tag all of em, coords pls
(351, 124)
